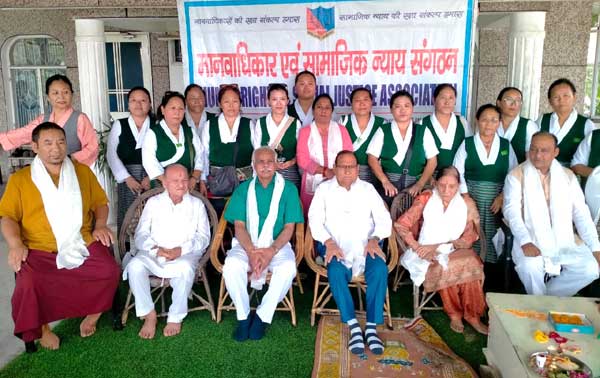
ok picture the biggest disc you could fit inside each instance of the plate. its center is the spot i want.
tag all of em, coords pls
(549, 365)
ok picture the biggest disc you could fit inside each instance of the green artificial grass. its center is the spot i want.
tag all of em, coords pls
(206, 349)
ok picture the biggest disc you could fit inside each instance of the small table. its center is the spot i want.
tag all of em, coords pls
(511, 342)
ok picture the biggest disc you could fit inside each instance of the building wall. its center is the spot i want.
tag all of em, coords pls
(567, 29)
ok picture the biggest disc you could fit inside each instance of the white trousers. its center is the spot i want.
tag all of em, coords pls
(577, 273)
(139, 282)
(235, 274)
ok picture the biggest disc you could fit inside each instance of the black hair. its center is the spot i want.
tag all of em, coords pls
(323, 95)
(141, 89)
(547, 134)
(360, 89)
(506, 89)
(58, 77)
(401, 93)
(228, 87)
(277, 87)
(440, 87)
(305, 72)
(342, 153)
(192, 86)
(448, 171)
(561, 81)
(485, 107)
(165, 100)
(35, 135)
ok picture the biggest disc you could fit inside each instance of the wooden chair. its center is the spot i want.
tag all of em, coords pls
(218, 252)
(322, 294)
(157, 284)
(422, 300)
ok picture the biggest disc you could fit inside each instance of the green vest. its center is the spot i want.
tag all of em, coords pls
(475, 170)
(165, 149)
(361, 153)
(288, 141)
(594, 159)
(390, 149)
(221, 154)
(568, 145)
(126, 150)
(445, 158)
(519, 140)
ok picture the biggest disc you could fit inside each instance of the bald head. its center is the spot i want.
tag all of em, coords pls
(174, 169)
(176, 181)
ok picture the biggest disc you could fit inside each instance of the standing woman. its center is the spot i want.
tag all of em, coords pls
(280, 131)
(396, 140)
(221, 135)
(82, 142)
(124, 150)
(448, 129)
(305, 88)
(361, 126)
(518, 130)
(318, 145)
(169, 142)
(569, 127)
(195, 103)
(483, 161)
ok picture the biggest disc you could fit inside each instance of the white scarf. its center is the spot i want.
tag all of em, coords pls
(550, 227)
(274, 130)
(63, 207)
(446, 137)
(265, 239)
(592, 193)
(361, 137)
(178, 143)
(561, 132)
(487, 159)
(190, 121)
(138, 135)
(402, 143)
(307, 118)
(315, 149)
(512, 129)
(228, 135)
(439, 227)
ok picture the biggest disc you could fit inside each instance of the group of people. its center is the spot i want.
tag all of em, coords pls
(299, 163)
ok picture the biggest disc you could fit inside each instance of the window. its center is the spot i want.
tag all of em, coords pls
(592, 77)
(30, 61)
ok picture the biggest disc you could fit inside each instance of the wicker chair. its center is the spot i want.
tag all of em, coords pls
(218, 252)
(421, 300)
(157, 284)
(322, 294)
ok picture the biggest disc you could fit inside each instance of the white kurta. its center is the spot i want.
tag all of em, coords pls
(561, 132)
(509, 133)
(350, 218)
(155, 168)
(116, 165)
(168, 225)
(579, 267)
(486, 159)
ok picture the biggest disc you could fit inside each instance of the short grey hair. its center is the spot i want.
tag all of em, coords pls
(261, 149)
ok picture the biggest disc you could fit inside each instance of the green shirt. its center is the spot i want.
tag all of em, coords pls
(290, 209)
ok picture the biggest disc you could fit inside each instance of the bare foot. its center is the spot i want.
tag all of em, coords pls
(88, 325)
(172, 329)
(149, 328)
(49, 339)
(457, 325)
(478, 325)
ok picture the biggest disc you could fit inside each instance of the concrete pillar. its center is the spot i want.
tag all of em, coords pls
(526, 50)
(93, 90)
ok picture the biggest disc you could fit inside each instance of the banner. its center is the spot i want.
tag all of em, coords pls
(384, 46)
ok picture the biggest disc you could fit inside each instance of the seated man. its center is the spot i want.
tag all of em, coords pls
(54, 221)
(171, 236)
(264, 211)
(542, 200)
(349, 217)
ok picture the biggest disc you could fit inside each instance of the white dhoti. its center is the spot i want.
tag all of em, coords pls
(180, 272)
(235, 274)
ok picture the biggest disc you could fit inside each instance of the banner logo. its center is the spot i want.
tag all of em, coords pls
(320, 22)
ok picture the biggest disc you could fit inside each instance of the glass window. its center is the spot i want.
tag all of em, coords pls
(32, 60)
(124, 69)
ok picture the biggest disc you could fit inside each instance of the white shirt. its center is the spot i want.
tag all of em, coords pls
(509, 133)
(349, 217)
(561, 132)
(191, 123)
(447, 136)
(582, 155)
(153, 167)
(513, 210)
(168, 225)
(116, 165)
(461, 157)
(376, 144)
(306, 118)
(273, 129)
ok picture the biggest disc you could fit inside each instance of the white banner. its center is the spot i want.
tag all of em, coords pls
(382, 45)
